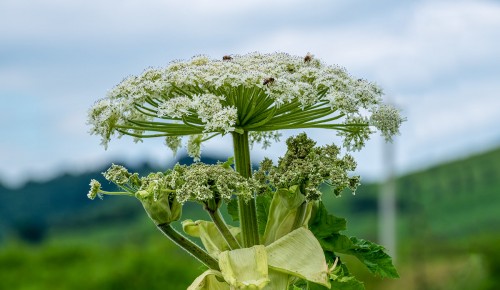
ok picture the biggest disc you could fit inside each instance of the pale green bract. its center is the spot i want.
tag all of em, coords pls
(251, 268)
(258, 93)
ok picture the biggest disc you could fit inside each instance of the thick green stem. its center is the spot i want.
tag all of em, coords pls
(189, 246)
(247, 209)
(223, 229)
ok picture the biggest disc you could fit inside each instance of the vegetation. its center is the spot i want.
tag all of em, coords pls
(448, 213)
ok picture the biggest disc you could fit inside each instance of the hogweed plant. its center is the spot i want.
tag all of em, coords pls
(286, 239)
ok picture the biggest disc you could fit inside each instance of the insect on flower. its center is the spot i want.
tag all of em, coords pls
(308, 57)
(226, 57)
(268, 81)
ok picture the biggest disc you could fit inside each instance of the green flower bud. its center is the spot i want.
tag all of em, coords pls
(162, 208)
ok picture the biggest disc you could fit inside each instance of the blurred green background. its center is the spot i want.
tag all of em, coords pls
(437, 60)
(52, 237)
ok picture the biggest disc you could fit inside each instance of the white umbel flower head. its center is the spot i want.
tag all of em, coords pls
(261, 93)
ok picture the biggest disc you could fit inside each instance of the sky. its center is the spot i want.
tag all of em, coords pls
(438, 61)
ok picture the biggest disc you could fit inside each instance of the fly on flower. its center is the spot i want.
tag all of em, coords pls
(308, 57)
(268, 81)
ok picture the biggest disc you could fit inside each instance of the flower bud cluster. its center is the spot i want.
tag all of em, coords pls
(197, 182)
(308, 166)
(95, 190)
(203, 182)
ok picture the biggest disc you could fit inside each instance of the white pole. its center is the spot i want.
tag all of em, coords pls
(387, 203)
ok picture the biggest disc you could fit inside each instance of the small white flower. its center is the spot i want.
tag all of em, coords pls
(175, 107)
(388, 120)
(194, 147)
(95, 188)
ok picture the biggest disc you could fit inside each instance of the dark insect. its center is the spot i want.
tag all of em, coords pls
(308, 57)
(226, 57)
(268, 81)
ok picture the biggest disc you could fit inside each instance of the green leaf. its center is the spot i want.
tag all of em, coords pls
(228, 163)
(232, 209)
(342, 280)
(263, 204)
(299, 284)
(313, 286)
(324, 224)
(372, 255)
(347, 283)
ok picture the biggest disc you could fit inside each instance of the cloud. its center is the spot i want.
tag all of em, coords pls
(431, 40)
(436, 59)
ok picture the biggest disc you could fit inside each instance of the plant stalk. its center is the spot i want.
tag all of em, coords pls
(247, 209)
(189, 246)
(223, 229)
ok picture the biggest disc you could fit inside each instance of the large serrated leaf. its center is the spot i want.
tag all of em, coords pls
(372, 255)
(324, 224)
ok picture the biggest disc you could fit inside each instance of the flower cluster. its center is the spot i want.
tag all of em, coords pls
(208, 108)
(203, 182)
(197, 182)
(307, 167)
(95, 188)
(255, 92)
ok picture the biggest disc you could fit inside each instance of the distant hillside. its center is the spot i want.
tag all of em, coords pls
(454, 200)
(37, 207)
(448, 201)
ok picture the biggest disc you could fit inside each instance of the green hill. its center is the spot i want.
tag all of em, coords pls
(450, 201)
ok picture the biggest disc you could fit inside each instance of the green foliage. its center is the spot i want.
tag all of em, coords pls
(340, 279)
(324, 224)
(456, 201)
(232, 209)
(263, 203)
(372, 255)
(86, 266)
(326, 228)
